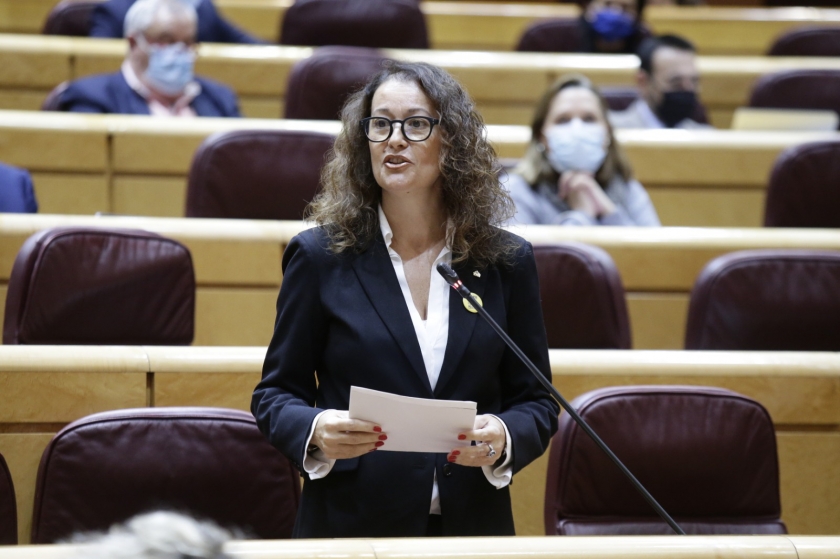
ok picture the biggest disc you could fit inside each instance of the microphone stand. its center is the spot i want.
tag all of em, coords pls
(453, 280)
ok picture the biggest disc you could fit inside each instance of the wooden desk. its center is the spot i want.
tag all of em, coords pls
(505, 85)
(237, 264)
(800, 390)
(134, 165)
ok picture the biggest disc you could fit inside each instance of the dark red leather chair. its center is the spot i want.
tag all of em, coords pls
(619, 98)
(798, 89)
(552, 35)
(397, 24)
(70, 17)
(319, 85)
(73, 285)
(211, 463)
(707, 455)
(582, 298)
(804, 188)
(8, 506)
(807, 41)
(767, 300)
(256, 174)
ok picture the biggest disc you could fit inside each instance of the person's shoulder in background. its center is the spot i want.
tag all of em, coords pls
(16, 192)
(216, 99)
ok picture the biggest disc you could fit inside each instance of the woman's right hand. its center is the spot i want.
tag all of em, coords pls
(583, 193)
(338, 436)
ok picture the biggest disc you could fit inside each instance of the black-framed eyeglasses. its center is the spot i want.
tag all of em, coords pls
(414, 128)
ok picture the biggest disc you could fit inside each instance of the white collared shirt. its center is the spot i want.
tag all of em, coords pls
(181, 108)
(432, 335)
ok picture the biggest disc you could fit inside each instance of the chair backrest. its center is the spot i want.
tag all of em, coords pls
(767, 300)
(804, 188)
(53, 100)
(8, 506)
(798, 89)
(256, 174)
(618, 98)
(807, 41)
(74, 285)
(319, 85)
(552, 35)
(582, 297)
(360, 23)
(707, 455)
(70, 17)
(211, 463)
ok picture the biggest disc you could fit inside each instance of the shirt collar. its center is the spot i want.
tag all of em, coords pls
(192, 90)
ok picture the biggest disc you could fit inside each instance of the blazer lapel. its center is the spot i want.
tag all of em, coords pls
(379, 280)
(461, 325)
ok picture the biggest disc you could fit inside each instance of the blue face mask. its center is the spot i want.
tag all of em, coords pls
(170, 67)
(576, 146)
(613, 25)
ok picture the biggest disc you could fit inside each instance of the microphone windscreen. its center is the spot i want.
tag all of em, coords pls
(447, 272)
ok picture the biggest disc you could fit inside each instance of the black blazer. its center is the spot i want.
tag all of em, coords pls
(345, 317)
(111, 94)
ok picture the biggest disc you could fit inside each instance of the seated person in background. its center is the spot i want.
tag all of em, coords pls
(574, 172)
(108, 18)
(157, 75)
(668, 83)
(16, 192)
(612, 26)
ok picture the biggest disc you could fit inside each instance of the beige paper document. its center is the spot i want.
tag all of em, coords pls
(413, 424)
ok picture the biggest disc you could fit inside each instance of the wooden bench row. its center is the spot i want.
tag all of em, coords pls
(238, 272)
(498, 26)
(46, 387)
(505, 85)
(134, 165)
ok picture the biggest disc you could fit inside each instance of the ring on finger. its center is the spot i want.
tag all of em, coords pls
(491, 451)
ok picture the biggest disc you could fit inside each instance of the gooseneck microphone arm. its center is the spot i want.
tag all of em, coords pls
(453, 280)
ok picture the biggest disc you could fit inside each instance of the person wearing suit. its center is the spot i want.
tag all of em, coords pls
(412, 182)
(668, 83)
(108, 18)
(16, 192)
(157, 76)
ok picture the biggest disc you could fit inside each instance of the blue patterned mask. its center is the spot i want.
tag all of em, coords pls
(613, 25)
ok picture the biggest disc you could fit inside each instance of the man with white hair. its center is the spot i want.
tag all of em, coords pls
(156, 77)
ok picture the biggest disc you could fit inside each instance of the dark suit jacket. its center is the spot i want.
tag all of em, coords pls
(108, 18)
(345, 317)
(110, 93)
(16, 193)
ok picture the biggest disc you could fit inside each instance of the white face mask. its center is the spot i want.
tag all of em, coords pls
(576, 146)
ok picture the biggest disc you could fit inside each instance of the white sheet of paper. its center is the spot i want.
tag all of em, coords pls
(413, 424)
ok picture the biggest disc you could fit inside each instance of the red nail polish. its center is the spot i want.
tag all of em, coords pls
(379, 443)
(456, 452)
(462, 437)
(378, 429)
(450, 458)
(383, 437)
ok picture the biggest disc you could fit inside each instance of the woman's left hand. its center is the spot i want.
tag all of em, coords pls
(488, 430)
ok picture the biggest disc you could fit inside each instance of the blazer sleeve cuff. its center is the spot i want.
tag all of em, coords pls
(315, 464)
(500, 475)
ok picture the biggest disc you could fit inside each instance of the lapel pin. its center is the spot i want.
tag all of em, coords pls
(477, 274)
(469, 307)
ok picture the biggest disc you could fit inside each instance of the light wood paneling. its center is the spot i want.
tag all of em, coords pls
(694, 207)
(150, 195)
(72, 194)
(22, 452)
(235, 316)
(53, 142)
(657, 320)
(810, 481)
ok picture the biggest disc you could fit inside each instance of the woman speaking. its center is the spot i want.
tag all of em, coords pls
(412, 182)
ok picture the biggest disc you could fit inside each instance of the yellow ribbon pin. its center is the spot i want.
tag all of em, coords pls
(469, 307)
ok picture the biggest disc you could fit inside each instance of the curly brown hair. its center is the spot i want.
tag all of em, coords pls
(534, 167)
(475, 202)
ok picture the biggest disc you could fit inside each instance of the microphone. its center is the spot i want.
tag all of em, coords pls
(453, 280)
